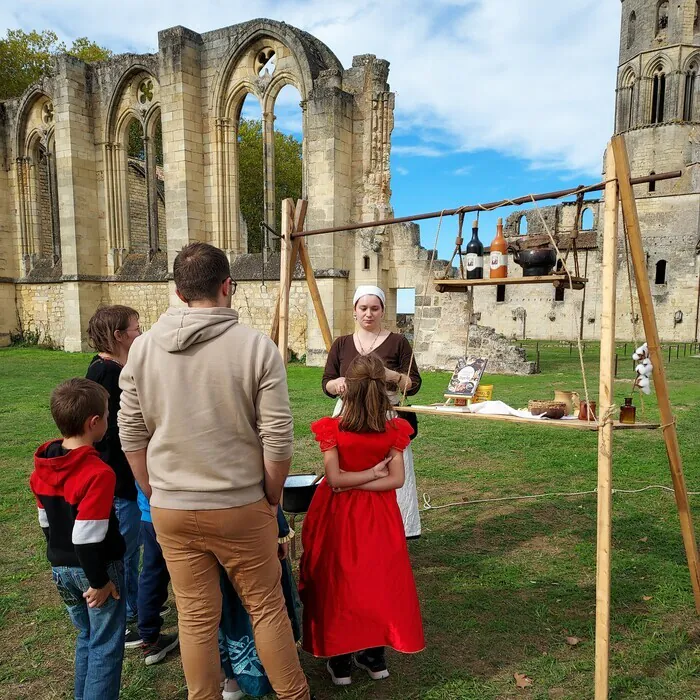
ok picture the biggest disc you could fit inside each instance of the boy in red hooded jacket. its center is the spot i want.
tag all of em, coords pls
(74, 490)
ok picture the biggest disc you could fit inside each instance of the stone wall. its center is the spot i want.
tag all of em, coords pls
(40, 308)
(149, 299)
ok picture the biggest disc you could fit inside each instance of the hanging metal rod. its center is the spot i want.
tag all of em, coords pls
(489, 206)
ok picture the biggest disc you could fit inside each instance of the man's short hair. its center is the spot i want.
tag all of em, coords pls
(199, 271)
(75, 401)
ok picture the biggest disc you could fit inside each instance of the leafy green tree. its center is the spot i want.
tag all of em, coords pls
(25, 57)
(288, 173)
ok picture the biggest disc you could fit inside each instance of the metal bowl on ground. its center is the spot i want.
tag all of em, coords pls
(297, 493)
(548, 409)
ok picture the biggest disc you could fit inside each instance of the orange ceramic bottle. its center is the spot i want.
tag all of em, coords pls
(499, 254)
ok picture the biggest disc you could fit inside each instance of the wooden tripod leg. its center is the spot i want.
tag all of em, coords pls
(634, 237)
(299, 216)
(315, 295)
(285, 275)
(605, 433)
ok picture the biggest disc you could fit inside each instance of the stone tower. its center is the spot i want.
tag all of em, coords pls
(658, 103)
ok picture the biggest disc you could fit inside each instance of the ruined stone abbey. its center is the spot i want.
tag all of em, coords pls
(83, 222)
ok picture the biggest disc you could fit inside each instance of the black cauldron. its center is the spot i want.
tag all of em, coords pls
(298, 491)
(537, 262)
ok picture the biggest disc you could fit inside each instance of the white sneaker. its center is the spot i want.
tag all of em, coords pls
(231, 691)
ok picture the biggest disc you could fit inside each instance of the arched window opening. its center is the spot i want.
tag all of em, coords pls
(587, 219)
(47, 202)
(288, 155)
(631, 30)
(658, 96)
(662, 17)
(661, 272)
(365, 262)
(689, 95)
(652, 185)
(158, 235)
(522, 225)
(251, 174)
(696, 19)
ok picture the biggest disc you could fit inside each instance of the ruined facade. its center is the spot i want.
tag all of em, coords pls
(84, 221)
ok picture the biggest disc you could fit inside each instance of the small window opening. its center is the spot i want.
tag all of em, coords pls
(652, 185)
(587, 220)
(522, 225)
(631, 30)
(500, 293)
(658, 97)
(365, 262)
(559, 293)
(689, 97)
(662, 17)
(660, 277)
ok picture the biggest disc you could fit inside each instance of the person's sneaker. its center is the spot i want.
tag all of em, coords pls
(156, 651)
(164, 611)
(373, 662)
(340, 668)
(230, 690)
(132, 639)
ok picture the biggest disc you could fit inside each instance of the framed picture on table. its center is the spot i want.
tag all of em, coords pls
(466, 377)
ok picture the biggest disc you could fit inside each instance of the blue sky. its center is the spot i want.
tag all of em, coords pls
(494, 98)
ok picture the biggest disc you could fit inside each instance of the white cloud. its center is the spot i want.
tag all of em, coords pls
(419, 151)
(464, 170)
(400, 170)
(531, 79)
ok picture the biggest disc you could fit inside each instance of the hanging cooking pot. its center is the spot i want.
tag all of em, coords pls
(298, 491)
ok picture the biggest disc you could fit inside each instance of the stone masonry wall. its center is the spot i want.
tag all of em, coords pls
(40, 307)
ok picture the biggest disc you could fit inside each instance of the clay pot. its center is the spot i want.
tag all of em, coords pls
(587, 411)
(538, 262)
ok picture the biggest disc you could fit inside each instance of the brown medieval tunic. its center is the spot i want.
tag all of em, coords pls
(394, 352)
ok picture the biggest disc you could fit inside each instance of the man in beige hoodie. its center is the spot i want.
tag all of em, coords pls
(206, 426)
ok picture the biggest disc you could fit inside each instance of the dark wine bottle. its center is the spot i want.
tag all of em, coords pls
(475, 255)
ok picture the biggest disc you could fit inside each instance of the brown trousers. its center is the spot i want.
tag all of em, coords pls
(244, 541)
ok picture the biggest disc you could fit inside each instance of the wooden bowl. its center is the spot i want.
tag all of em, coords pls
(549, 409)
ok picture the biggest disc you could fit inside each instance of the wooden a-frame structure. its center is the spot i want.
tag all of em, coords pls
(618, 186)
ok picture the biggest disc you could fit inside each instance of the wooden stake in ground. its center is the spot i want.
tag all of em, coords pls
(315, 294)
(285, 275)
(668, 422)
(605, 431)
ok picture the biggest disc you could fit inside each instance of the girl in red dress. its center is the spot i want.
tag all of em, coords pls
(356, 581)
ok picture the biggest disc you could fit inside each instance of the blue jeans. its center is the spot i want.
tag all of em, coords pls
(153, 585)
(129, 517)
(99, 649)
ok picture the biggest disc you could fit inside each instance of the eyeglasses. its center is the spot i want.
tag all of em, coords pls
(234, 284)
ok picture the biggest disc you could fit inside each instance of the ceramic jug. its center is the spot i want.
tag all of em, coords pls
(570, 398)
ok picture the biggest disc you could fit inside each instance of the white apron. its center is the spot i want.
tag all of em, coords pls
(407, 495)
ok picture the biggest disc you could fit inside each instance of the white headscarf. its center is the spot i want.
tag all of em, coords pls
(364, 290)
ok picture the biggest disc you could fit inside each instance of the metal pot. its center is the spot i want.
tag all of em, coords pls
(298, 491)
(536, 262)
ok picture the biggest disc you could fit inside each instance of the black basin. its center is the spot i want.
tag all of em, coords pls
(537, 262)
(298, 491)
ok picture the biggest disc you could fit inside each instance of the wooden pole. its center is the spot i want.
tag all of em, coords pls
(605, 431)
(668, 422)
(285, 275)
(299, 216)
(316, 296)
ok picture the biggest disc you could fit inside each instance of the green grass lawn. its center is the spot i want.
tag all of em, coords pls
(502, 584)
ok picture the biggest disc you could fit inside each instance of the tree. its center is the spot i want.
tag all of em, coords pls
(288, 173)
(25, 57)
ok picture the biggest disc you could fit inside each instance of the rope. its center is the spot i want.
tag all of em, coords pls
(427, 504)
(416, 326)
(571, 286)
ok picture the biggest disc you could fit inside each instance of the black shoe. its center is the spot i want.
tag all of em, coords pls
(340, 668)
(155, 652)
(372, 661)
(132, 639)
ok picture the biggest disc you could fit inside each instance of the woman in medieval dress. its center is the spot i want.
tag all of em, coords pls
(401, 374)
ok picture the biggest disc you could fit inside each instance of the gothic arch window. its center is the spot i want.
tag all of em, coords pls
(661, 272)
(631, 30)
(661, 17)
(587, 219)
(627, 95)
(689, 97)
(658, 95)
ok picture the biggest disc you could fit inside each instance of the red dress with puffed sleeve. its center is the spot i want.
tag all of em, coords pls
(355, 579)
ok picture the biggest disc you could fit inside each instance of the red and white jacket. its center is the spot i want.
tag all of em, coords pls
(74, 491)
